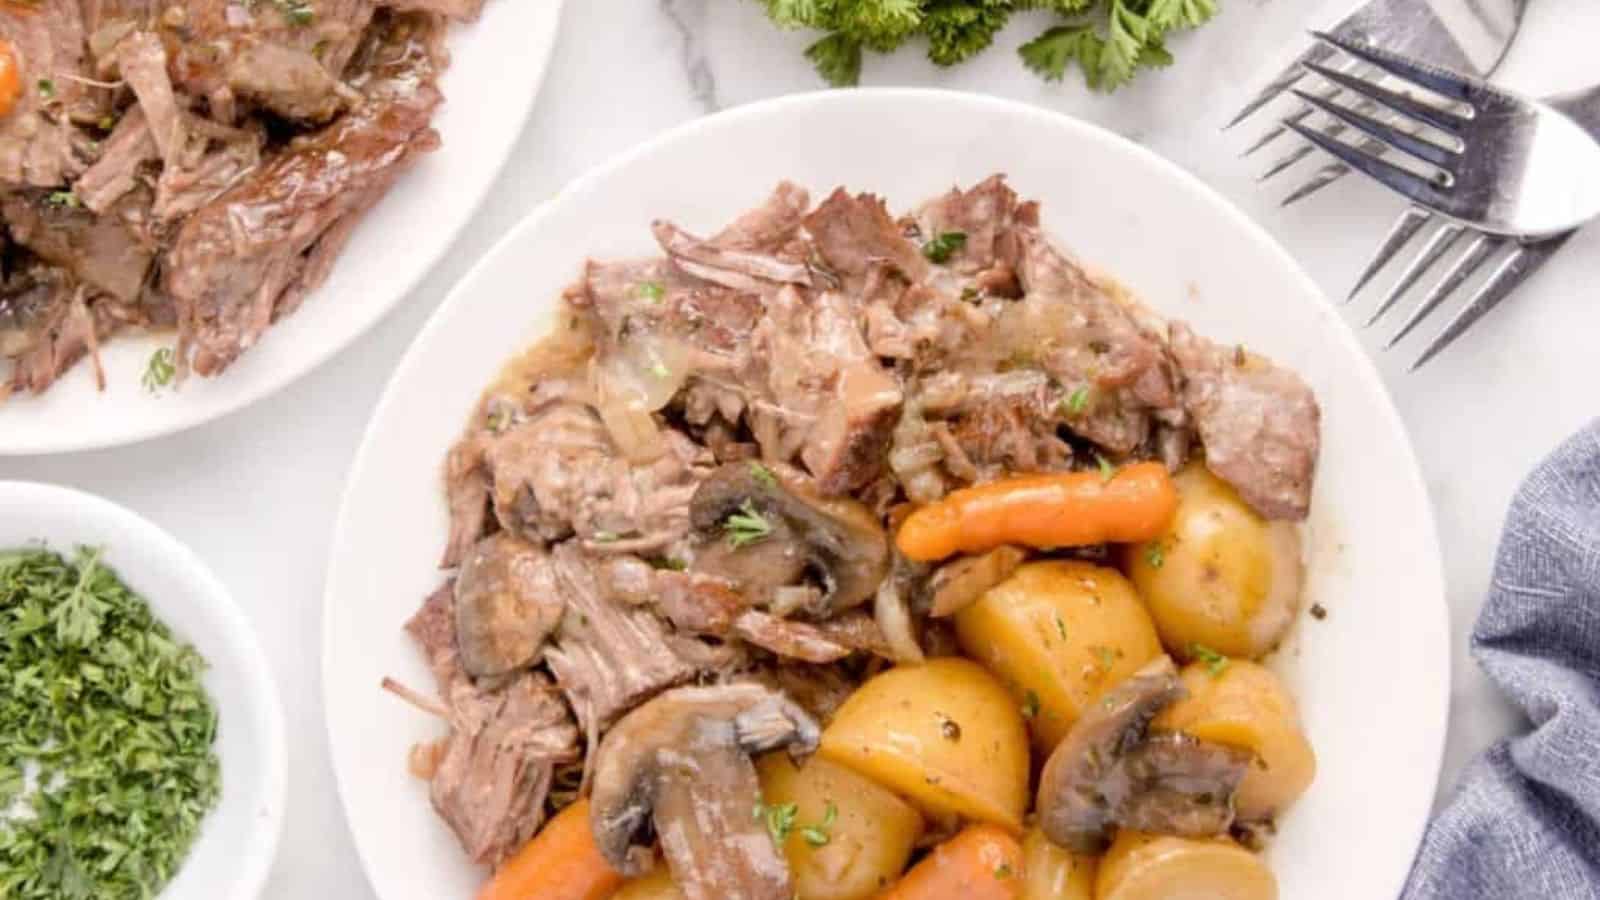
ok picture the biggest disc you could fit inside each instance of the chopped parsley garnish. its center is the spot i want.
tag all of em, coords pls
(651, 290)
(47, 88)
(499, 419)
(1077, 401)
(107, 123)
(1104, 655)
(1107, 470)
(747, 526)
(1214, 662)
(1030, 704)
(1155, 555)
(63, 199)
(659, 369)
(158, 373)
(1061, 628)
(670, 563)
(779, 818)
(763, 475)
(818, 835)
(943, 244)
(1002, 871)
(107, 756)
(298, 12)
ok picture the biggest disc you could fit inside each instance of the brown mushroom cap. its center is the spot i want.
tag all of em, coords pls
(1108, 771)
(681, 764)
(837, 538)
(507, 603)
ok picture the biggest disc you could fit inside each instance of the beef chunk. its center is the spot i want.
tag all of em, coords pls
(37, 137)
(608, 657)
(1259, 423)
(109, 252)
(506, 740)
(237, 258)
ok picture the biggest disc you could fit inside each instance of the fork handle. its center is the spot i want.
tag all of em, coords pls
(1583, 106)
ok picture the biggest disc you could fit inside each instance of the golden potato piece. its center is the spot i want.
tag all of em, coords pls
(655, 886)
(1221, 576)
(1152, 867)
(1245, 705)
(1054, 873)
(944, 734)
(1059, 634)
(850, 836)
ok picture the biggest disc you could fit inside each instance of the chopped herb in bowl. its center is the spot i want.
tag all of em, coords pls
(107, 757)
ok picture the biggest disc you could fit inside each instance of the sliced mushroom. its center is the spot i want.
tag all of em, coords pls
(680, 764)
(1109, 771)
(507, 603)
(837, 539)
(958, 584)
(1175, 784)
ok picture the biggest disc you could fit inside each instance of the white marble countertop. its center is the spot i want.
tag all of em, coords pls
(255, 493)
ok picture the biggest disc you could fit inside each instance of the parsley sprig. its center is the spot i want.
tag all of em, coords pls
(1109, 40)
(106, 735)
(747, 526)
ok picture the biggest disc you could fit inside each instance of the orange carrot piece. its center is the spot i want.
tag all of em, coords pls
(983, 862)
(561, 862)
(10, 78)
(1071, 509)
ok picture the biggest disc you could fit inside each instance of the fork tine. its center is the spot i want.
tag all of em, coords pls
(1442, 119)
(1430, 77)
(1291, 74)
(1277, 131)
(1405, 228)
(1305, 150)
(1299, 153)
(1516, 269)
(1320, 179)
(1407, 184)
(1465, 267)
(1425, 260)
(1426, 151)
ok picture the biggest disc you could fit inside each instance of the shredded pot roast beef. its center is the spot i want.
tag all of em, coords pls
(695, 484)
(196, 165)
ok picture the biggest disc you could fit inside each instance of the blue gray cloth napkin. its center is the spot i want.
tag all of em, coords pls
(1525, 820)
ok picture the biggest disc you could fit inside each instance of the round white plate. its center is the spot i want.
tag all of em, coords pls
(1373, 678)
(239, 837)
(497, 65)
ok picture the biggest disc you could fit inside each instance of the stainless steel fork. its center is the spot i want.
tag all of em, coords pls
(1464, 35)
(1491, 159)
(1518, 259)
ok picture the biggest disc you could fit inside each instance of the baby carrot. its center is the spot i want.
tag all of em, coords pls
(983, 862)
(10, 78)
(1069, 509)
(561, 862)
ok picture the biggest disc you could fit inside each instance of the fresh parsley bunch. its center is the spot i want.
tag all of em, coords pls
(1110, 40)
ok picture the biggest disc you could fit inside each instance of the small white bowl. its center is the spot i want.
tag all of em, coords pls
(239, 837)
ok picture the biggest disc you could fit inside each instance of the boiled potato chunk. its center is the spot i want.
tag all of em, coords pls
(1054, 873)
(1059, 634)
(655, 886)
(1245, 705)
(944, 734)
(1156, 867)
(852, 852)
(1221, 576)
